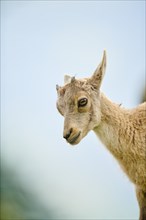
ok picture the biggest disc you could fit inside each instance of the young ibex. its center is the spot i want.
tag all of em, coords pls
(122, 131)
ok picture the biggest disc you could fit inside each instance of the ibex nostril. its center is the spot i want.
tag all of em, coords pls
(67, 135)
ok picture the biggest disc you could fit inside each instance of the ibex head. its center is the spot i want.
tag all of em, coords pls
(79, 103)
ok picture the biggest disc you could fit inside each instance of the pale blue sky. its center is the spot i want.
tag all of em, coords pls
(40, 42)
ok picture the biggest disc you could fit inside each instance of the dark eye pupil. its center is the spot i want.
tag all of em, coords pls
(82, 102)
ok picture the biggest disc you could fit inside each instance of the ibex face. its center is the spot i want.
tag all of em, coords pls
(79, 103)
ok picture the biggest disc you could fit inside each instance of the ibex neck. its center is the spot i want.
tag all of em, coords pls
(113, 125)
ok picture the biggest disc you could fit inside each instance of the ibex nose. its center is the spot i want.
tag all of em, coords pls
(67, 135)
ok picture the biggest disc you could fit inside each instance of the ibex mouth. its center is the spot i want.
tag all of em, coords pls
(74, 138)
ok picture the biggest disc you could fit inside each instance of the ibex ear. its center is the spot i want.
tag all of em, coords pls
(67, 79)
(98, 75)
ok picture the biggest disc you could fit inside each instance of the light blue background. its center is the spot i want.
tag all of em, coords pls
(40, 42)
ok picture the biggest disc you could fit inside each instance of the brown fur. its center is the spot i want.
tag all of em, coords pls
(122, 131)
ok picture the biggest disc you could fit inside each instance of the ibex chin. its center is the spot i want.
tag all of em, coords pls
(121, 130)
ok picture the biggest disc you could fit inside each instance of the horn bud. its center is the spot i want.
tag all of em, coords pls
(73, 79)
(57, 87)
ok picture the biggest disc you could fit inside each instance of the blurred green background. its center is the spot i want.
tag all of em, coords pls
(17, 201)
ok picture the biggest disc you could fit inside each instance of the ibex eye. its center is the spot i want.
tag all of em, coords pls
(82, 102)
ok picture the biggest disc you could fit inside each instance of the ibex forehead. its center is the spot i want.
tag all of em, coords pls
(74, 87)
